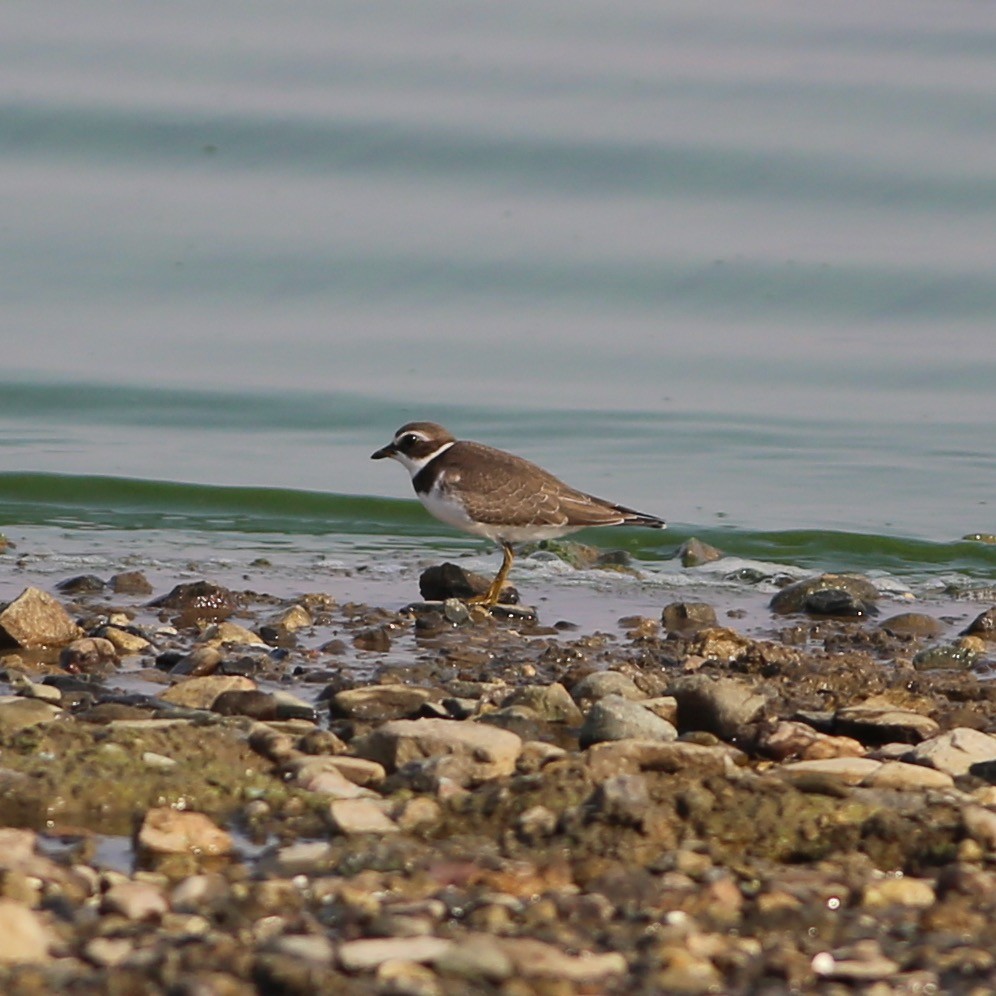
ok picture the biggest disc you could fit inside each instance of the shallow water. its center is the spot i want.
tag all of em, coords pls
(731, 265)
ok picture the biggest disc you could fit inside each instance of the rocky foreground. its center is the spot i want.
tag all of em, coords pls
(214, 792)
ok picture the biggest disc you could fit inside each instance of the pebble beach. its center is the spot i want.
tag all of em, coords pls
(209, 791)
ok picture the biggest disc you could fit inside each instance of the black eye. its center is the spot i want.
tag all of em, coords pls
(408, 440)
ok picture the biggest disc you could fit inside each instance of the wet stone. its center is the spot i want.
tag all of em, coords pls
(622, 799)
(198, 601)
(688, 617)
(81, 584)
(131, 583)
(848, 595)
(616, 718)
(945, 658)
(248, 702)
(36, 619)
(376, 639)
(89, 655)
(550, 703)
(443, 581)
(984, 625)
(360, 816)
(123, 641)
(19, 713)
(913, 624)
(695, 552)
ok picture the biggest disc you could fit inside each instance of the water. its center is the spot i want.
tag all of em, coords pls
(732, 265)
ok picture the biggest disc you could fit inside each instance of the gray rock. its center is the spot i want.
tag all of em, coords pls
(723, 706)
(200, 693)
(882, 724)
(448, 580)
(488, 752)
(954, 752)
(598, 684)
(551, 703)
(131, 583)
(828, 594)
(36, 619)
(476, 957)
(616, 718)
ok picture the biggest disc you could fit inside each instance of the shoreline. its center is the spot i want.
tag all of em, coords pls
(312, 793)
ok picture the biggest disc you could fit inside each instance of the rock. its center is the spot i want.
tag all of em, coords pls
(291, 619)
(718, 643)
(379, 702)
(688, 617)
(881, 724)
(799, 740)
(983, 625)
(551, 703)
(950, 657)
(476, 957)
(123, 641)
(616, 718)
(862, 961)
(19, 713)
(200, 662)
(915, 624)
(321, 775)
(695, 552)
(622, 799)
(135, 901)
(357, 769)
(902, 777)
(131, 583)
(197, 602)
(88, 655)
(848, 595)
(611, 758)
(24, 938)
(36, 619)
(312, 949)
(232, 634)
(376, 639)
(532, 958)
(845, 770)
(108, 952)
(251, 702)
(723, 706)
(904, 891)
(489, 752)
(954, 752)
(368, 953)
(358, 816)
(81, 584)
(980, 825)
(200, 693)
(170, 831)
(448, 580)
(598, 684)
(418, 814)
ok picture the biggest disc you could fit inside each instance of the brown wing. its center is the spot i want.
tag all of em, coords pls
(501, 488)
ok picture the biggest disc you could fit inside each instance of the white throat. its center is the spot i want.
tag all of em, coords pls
(413, 466)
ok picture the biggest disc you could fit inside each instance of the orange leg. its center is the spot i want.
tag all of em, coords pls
(490, 597)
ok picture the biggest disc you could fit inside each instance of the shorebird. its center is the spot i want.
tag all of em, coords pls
(491, 493)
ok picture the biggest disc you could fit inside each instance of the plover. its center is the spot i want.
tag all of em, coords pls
(491, 493)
